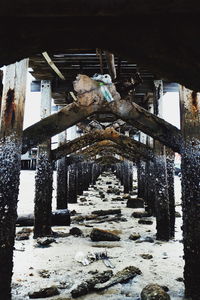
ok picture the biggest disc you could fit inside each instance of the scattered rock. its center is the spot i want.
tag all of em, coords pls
(154, 292)
(118, 199)
(148, 239)
(44, 273)
(121, 276)
(107, 212)
(135, 203)
(113, 190)
(180, 279)
(177, 214)
(145, 221)
(45, 241)
(146, 256)
(75, 231)
(103, 235)
(87, 286)
(44, 293)
(134, 236)
(22, 236)
(25, 230)
(126, 196)
(82, 199)
(140, 214)
(133, 193)
(86, 194)
(102, 196)
(61, 234)
(73, 212)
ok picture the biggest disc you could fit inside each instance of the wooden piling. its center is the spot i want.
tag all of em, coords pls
(190, 168)
(72, 186)
(61, 175)
(12, 114)
(44, 173)
(161, 183)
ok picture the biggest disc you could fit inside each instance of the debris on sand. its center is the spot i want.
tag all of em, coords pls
(146, 256)
(107, 212)
(23, 234)
(145, 221)
(44, 293)
(134, 236)
(75, 231)
(140, 214)
(45, 241)
(121, 276)
(154, 292)
(135, 203)
(103, 235)
(87, 286)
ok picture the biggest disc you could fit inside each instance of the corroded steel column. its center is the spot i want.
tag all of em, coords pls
(12, 115)
(44, 173)
(190, 165)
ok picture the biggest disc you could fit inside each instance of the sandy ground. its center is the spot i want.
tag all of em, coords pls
(65, 272)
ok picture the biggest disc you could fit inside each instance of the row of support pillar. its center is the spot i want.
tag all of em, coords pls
(12, 111)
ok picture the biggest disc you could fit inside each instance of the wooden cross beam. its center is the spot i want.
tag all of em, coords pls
(99, 135)
(107, 160)
(107, 145)
(91, 101)
(94, 150)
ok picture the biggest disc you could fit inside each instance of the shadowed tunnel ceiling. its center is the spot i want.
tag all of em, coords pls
(161, 35)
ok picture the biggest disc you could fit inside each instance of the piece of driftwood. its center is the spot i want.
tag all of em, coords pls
(121, 276)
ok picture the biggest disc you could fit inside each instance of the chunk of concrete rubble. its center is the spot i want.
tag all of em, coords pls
(44, 293)
(75, 231)
(134, 236)
(145, 221)
(154, 292)
(103, 235)
(106, 212)
(87, 286)
(121, 276)
(135, 203)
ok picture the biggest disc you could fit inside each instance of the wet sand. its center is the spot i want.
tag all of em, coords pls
(65, 272)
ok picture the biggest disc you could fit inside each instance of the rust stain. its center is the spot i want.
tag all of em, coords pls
(10, 108)
(194, 102)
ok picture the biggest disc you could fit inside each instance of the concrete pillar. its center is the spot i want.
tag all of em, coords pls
(44, 173)
(11, 126)
(190, 165)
